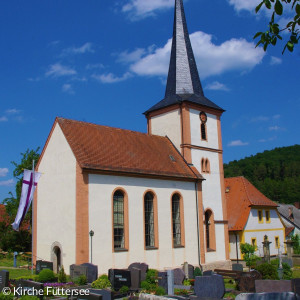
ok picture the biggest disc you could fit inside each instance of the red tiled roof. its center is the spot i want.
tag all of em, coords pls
(2, 212)
(117, 150)
(240, 196)
(288, 230)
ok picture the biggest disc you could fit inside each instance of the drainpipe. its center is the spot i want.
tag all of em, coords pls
(198, 233)
(237, 251)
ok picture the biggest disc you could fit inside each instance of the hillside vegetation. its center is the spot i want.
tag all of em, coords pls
(275, 173)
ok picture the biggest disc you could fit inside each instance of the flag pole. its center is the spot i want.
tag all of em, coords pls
(32, 220)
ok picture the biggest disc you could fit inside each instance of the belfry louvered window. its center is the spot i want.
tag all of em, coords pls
(149, 220)
(118, 206)
(176, 220)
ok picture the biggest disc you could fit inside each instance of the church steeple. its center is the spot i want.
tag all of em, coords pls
(183, 82)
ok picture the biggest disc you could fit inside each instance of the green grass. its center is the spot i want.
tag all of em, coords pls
(15, 273)
(230, 284)
(296, 273)
(9, 262)
(229, 296)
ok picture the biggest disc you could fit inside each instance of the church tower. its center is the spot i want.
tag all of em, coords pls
(192, 122)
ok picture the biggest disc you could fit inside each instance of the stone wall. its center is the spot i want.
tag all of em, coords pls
(224, 264)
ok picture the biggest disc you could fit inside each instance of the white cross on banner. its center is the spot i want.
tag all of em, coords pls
(26, 196)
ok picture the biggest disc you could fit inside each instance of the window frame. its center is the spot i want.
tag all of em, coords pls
(262, 216)
(268, 220)
(181, 218)
(255, 242)
(277, 246)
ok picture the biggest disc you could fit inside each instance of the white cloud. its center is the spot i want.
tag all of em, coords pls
(274, 128)
(12, 111)
(85, 48)
(7, 182)
(3, 172)
(237, 143)
(94, 66)
(67, 88)
(260, 119)
(248, 5)
(58, 70)
(212, 59)
(129, 57)
(275, 61)
(138, 9)
(3, 119)
(111, 78)
(217, 86)
(268, 140)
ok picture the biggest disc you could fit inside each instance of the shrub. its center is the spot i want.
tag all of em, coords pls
(152, 276)
(287, 271)
(296, 245)
(46, 275)
(124, 289)
(62, 276)
(145, 285)
(28, 277)
(101, 283)
(159, 291)
(197, 272)
(103, 276)
(6, 297)
(248, 251)
(187, 282)
(81, 280)
(180, 292)
(268, 271)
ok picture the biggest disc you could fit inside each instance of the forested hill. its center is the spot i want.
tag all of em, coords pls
(275, 173)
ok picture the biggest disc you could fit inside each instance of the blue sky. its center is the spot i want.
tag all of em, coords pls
(106, 62)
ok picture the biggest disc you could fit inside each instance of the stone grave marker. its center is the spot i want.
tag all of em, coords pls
(266, 296)
(178, 276)
(92, 272)
(42, 264)
(28, 284)
(4, 277)
(209, 286)
(296, 285)
(106, 294)
(237, 267)
(208, 273)
(190, 271)
(119, 278)
(288, 261)
(135, 278)
(142, 266)
(163, 280)
(170, 274)
(78, 270)
(273, 286)
(247, 280)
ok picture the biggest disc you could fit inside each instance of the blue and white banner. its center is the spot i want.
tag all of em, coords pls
(30, 180)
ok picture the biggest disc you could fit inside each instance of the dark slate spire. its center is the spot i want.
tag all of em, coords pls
(183, 82)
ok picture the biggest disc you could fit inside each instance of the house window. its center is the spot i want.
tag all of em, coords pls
(268, 219)
(205, 166)
(260, 216)
(210, 231)
(277, 242)
(177, 221)
(120, 221)
(253, 242)
(149, 220)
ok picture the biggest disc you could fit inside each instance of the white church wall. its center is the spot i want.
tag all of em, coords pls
(168, 124)
(211, 127)
(234, 245)
(101, 188)
(56, 200)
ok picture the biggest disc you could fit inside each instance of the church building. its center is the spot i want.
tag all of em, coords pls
(155, 197)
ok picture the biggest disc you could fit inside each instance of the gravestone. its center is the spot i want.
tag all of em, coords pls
(246, 282)
(170, 290)
(28, 284)
(178, 276)
(4, 277)
(106, 294)
(92, 272)
(42, 264)
(237, 267)
(78, 270)
(163, 280)
(267, 296)
(209, 286)
(119, 278)
(273, 286)
(208, 273)
(296, 285)
(191, 271)
(135, 278)
(288, 261)
(142, 266)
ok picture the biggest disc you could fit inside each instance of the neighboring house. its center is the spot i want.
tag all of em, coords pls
(251, 216)
(290, 215)
(143, 195)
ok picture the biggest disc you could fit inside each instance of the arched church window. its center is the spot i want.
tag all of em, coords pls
(177, 221)
(203, 120)
(207, 166)
(120, 220)
(150, 214)
(210, 237)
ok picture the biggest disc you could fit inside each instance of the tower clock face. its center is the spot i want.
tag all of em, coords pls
(203, 117)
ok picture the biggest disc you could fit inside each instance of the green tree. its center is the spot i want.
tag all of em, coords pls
(248, 251)
(274, 31)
